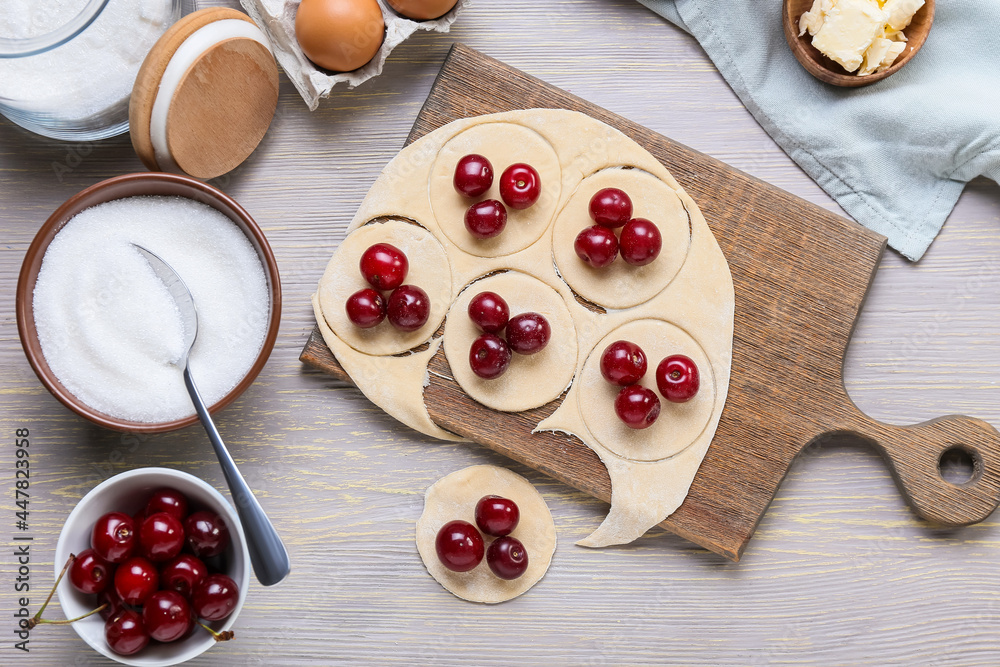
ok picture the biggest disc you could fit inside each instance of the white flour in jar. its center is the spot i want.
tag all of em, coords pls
(108, 327)
(91, 73)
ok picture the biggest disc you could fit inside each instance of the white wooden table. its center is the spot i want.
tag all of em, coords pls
(839, 573)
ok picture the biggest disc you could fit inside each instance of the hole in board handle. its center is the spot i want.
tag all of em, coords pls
(960, 465)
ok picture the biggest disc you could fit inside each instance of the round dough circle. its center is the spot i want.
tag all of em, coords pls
(503, 144)
(429, 270)
(531, 380)
(678, 425)
(454, 497)
(622, 285)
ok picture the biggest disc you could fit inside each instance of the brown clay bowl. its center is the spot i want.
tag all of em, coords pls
(132, 185)
(830, 72)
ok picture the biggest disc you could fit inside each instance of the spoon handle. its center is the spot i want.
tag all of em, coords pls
(267, 552)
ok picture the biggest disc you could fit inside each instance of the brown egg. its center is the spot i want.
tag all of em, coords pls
(339, 35)
(421, 10)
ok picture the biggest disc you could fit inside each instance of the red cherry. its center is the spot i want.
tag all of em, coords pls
(459, 546)
(366, 308)
(384, 266)
(623, 363)
(114, 537)
(489, 312)
(113, 601)
(182, 574)
(473, 175)
(640, 242)
(215, 563)
(207, 534)
(90, 573)
(637, 406)
(194, 624)
(528, 333)
(507, 557)
(597, 246)
(125, 633)
(520, 186)
(215, 597)
(610, 207)
(677, 378)
(489, 356)
(161, 537)
(486, 219)
(135, 580)
(167, 500)
(167, 616)
(497, 516)
(408, 308)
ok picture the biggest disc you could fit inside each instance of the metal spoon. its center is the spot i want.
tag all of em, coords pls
(267, 553)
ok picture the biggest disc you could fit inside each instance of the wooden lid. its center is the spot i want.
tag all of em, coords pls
(221, 108)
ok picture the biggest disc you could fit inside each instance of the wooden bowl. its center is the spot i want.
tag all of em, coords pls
(830, 72)
(132, 185)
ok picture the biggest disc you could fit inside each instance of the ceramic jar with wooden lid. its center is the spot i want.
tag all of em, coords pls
(205, 96)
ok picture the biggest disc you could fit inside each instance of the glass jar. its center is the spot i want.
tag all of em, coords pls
(67, 66)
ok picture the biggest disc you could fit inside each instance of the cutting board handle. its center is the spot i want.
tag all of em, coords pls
(914, 455)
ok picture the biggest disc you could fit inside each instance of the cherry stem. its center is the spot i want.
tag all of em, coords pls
(223, 636)
(40, 621)
(37, 618)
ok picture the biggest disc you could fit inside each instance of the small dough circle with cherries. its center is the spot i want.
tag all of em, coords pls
(454, 497)
(531, 380)
(503, 144)
(429, 269)
(622, 285)
(678, 425)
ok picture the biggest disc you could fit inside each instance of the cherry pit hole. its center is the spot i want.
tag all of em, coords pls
(959, 466)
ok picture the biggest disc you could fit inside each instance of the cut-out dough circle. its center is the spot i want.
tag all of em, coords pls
(622, 285)
(503, 144)
(454, 497)
(678, 425)
(531, 380)
(429, 270)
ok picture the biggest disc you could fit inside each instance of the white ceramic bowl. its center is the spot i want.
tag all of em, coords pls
(127, 493)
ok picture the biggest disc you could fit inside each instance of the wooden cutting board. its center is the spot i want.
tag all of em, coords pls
(801, 274)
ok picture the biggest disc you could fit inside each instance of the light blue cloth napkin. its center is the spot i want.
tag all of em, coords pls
(896, 154)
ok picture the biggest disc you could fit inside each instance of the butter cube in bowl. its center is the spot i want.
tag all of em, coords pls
(853, 43)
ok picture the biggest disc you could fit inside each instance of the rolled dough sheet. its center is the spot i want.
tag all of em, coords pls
(698, 300)
(455, 497)
(395, 393)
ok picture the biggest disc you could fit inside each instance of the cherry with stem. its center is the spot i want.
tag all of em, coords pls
(223, 636)
(37, 618)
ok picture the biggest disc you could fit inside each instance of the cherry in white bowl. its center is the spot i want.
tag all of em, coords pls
(128, 493)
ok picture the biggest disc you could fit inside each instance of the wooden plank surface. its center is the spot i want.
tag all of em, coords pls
(800, 274)
(840, 572)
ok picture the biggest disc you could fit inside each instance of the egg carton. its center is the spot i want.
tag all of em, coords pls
(277, 19)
